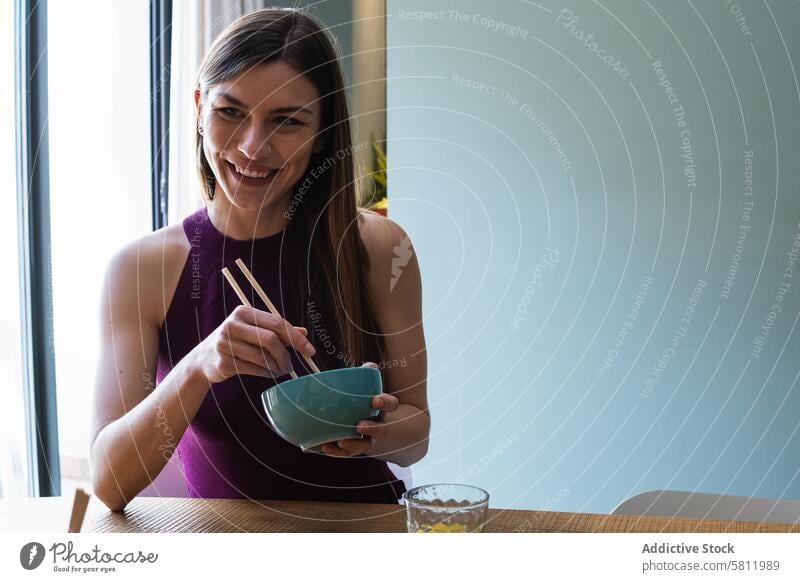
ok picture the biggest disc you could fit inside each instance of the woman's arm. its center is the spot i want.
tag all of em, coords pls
(396, 292)
(137, 426)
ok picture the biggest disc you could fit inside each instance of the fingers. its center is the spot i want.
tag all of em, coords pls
(347, 447)
(240, 334)
(289, 334)
(370, 365)
(385, 402)
(372, 432)
(246, 353)
(372, 429)
(272, 339)
(247, 369)
(230, 366)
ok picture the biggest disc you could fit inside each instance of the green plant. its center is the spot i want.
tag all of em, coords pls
(377, 173)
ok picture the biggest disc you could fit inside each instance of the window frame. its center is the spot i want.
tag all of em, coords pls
(35, 269)
(33, 218)
(160, 64)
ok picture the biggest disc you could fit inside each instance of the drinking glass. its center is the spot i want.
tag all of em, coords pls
(446, 508)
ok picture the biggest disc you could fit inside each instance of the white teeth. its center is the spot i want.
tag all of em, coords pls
(251, 173)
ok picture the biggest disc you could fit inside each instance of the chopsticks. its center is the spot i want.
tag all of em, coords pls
(260, 292)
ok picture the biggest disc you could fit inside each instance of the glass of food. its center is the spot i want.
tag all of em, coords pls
(446, 508)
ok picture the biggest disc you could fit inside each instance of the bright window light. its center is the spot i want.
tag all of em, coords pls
(99, 121)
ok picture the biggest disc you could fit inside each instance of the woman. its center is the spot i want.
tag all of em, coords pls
(275, 159)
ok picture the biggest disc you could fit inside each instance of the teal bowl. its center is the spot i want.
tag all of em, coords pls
(315, 409)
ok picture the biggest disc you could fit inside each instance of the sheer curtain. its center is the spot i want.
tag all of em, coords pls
(195, 25)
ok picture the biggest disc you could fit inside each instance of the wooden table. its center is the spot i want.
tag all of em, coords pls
(153, 514)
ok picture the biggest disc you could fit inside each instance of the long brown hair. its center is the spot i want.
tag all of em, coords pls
(323, 222)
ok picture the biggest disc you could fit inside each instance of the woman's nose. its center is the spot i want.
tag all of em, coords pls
(254, 143)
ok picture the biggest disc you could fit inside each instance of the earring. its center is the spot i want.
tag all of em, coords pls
(210, 183)
(199, 129)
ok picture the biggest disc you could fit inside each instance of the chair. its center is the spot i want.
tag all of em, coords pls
(710, 506)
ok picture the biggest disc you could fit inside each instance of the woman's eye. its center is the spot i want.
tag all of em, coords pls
(229, 111)
(286, 121)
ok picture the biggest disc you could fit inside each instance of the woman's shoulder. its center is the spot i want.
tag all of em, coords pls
(153, 250)
(390, 252)
(149, 265)
(381, 234)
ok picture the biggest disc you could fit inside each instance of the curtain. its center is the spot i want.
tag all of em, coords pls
(195, 25)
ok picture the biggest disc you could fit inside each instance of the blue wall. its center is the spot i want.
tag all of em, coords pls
(598, 268)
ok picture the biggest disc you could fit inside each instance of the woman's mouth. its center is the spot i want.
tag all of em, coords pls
(246, 177)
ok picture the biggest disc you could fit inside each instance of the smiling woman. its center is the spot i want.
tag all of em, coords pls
(271, 116)
(258, 143)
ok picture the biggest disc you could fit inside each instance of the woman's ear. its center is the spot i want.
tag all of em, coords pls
(197, 105)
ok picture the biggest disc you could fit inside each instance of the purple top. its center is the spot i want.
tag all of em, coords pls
(229, 449)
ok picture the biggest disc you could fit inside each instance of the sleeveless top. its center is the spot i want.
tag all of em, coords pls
(229, 449)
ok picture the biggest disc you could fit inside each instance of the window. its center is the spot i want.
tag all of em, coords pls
(13, 449)
(100, 198)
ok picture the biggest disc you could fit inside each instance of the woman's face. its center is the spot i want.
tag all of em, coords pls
(265, 121)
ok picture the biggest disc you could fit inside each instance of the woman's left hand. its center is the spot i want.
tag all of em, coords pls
(374, 430)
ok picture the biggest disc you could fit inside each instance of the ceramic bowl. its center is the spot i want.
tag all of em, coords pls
(315, 409)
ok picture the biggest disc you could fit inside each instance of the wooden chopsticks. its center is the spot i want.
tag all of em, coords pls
(260, 292)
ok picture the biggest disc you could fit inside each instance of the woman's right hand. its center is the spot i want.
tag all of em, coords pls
(250, 341)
